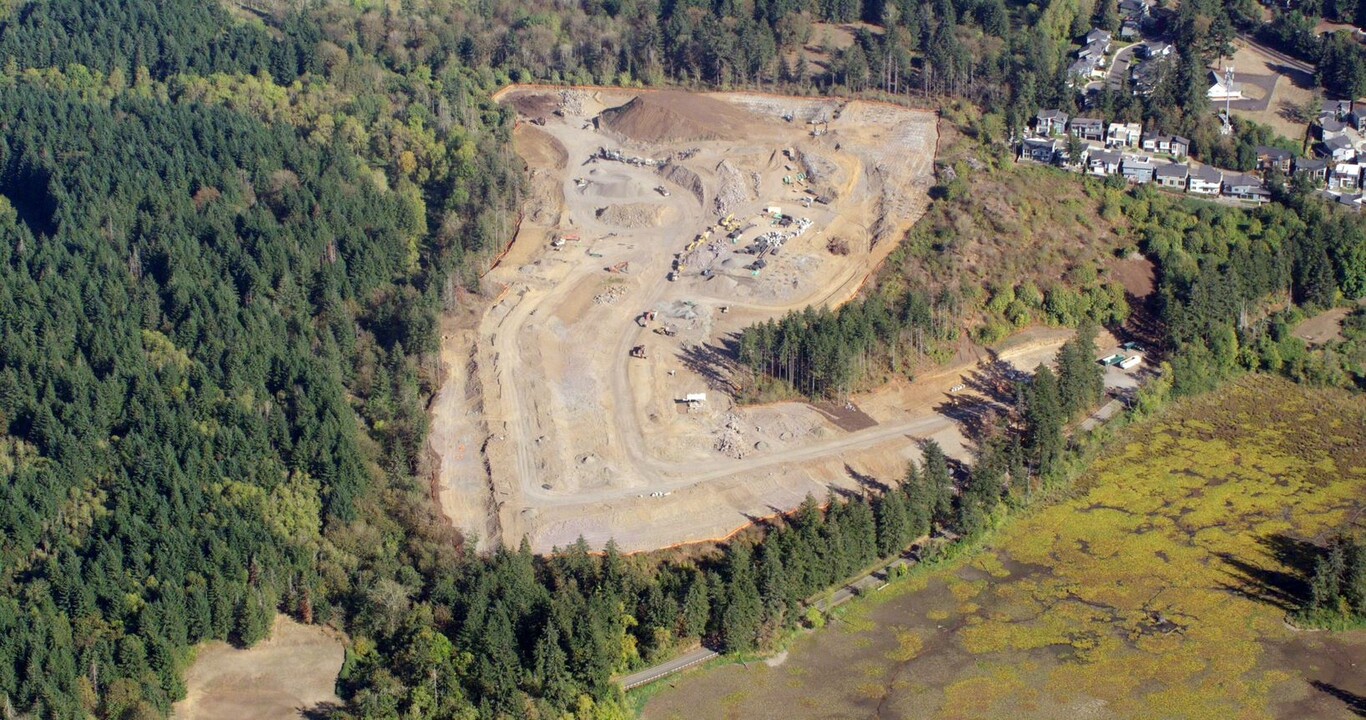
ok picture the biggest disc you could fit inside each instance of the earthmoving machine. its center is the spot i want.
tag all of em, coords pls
(645, 318)
(620, 268)
(663, 191)
(638, 352)
(667, 330)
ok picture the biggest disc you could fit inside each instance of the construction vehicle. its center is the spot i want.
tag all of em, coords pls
(620, 268)
(557, 243)
(667, 330)
(638, 352)
(645, 318)
(663, 191)
(673, 276)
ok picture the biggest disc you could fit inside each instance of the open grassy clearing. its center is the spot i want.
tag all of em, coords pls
(1159, 590)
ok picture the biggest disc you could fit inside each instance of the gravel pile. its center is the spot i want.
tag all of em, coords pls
(733, 191)
(610, 295)
(730, 439)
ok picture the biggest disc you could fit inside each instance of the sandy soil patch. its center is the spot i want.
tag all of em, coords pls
(1322, 328)
(286, 677)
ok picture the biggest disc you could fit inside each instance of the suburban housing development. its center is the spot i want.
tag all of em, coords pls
(1092, 146)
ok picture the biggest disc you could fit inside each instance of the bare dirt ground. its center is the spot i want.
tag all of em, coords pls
(292, 674)
(1322, 328)
(580, 438)
(1289, 84)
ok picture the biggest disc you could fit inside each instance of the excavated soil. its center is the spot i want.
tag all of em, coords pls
(676, 117)
(634, 215)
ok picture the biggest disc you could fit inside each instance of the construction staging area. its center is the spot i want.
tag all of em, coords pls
(591, 396)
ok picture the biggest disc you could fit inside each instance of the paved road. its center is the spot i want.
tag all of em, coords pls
(663, 670)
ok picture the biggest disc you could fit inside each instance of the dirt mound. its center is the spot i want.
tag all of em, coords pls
(675, 117)
(534, 106)
(734, 188)
(634, 215)
(684, 178)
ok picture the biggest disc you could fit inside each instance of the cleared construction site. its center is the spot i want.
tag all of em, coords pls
(591, 395)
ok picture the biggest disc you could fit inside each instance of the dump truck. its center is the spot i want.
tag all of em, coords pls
(663, 191)
(638, 352)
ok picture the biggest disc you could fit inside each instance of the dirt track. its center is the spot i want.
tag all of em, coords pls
(581, 438)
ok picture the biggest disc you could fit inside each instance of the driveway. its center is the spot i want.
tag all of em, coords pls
(1119, 67)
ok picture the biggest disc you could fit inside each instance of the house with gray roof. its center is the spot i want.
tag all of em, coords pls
(1205, 180)
(1246, 187)
(1172, 175)
(1137, 169)
(1050, 122)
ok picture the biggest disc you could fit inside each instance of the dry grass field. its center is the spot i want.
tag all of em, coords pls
(1159, 589)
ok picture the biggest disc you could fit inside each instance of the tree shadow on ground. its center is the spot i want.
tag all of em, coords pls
(973, 415)
(321, 711)
(715, 363)
(1355, 703)
(1287, 590)
(866, 481)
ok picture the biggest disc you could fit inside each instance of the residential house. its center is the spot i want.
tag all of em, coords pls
(1340, 149)
(1174, 145)
(1104, 162)
(1315, 168)
(1357, 118)
(1137, 169)
(1154, 49)
(1084, 70)
(1330, 127)
(1345, 176)
(1145, 77)
(1095, 50)
(1223, 90)
(1205, 180)
(1098, 36)
(1346, 200)
(1123, 135)
(1270, 157)
(1087, 128)
(1246, 187)
(1137, 10)
(1043, 150)
(1050, 122)
(1172, 175)
(1130, 30)
(1339, 109)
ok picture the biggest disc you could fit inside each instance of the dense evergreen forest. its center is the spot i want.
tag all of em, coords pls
(223, 245)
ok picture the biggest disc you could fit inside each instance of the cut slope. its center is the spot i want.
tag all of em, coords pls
(675, 117)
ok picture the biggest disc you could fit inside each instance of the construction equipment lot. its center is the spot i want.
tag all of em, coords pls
(592, 396)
